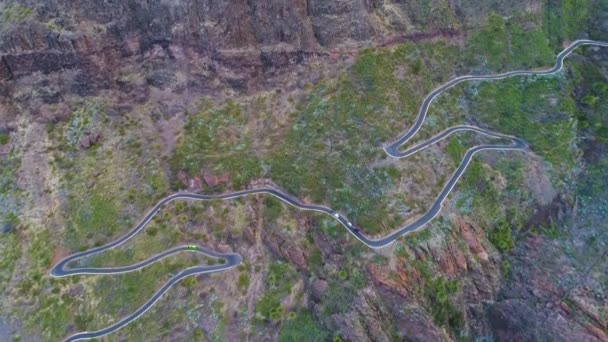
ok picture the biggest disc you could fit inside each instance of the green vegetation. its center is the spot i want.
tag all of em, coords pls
(10, 223)
(243, 282)
(501, 237)
(9, 165)
(269, 307)
(342, 290)
(4, 138)
(216, 141)
(54, 314)
(167, 229)
(315, 260)
(339, 131)
(84, 119)
(478, 192)
(550, 232)
(566, 19)
(440, 294)
(536, 110)
(126, 292)
(593, 88)
(507, 45)
(41, 249)
(14, 12)
(432, 14)
(303, 328)
(279, 280)
(505, 268)
(272, 208)
(99, 215)
(103, 201)
(10, 249)
(444, 312)
(330, 141)
(455, 149)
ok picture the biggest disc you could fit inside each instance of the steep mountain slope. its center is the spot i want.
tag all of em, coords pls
(108, 106)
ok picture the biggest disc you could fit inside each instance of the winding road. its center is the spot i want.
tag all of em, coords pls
(61, 269)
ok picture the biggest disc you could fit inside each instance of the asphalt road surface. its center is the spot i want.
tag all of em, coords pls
(61, 269)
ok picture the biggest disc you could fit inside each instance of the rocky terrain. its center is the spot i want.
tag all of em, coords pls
(126, 50)
(107, 106)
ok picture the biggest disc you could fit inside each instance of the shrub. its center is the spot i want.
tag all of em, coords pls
(303, 328)
(505, 267)
(243, 282)
(4, 138)
(501, 236)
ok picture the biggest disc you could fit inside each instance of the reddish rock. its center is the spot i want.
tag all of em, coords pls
(451, 259)
(459, 258)
(472, 241)
(183, 178)
(225, 178)
(85, 142)
(282, 246)
(195, 184)
(597, 332)
(94, 137)
(589, 309)
(89, 139)
(395, 282)
(297, 256)
(214, 180)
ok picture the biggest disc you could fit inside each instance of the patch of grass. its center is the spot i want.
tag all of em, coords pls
(9, 165)
(10, 249)
(94, 218)
(279, 280)
(272, 208)
(216, 141)
(550, 232)
(124, 293)
(479, 193)
(41, 249)
(536, 110)
(505, 268)
(593, 88)
(505, 44)
(501, 237)
(243, 282)
(455, 149)
(488, 46)
(53, 316)
(14, 12)
(4, 138)
(281, 276)
(269, 306)
(342, 290)
(315, 260)
(303, 327)
(566, 19)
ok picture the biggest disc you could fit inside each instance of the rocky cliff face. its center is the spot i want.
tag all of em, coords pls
(213, 26)
(235, 40)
